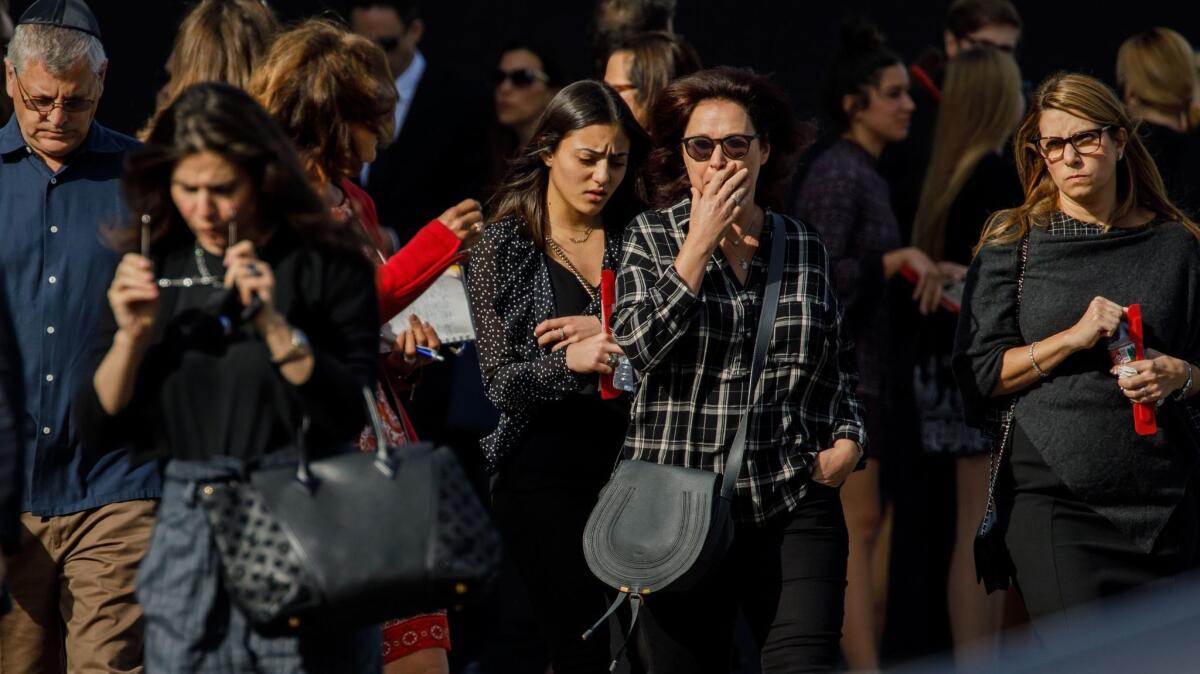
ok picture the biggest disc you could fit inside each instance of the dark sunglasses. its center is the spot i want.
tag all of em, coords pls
(701, 148)
(388, 44)
(520, 78)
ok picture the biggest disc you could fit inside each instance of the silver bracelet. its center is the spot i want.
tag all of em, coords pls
(1033, 362)
(1183, 392)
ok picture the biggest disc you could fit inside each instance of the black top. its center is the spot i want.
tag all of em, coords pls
(201, 393)
(576, 440)
(1178, 158)
(992, 186)
(511, 292)
(1077, 419)
(429, 169)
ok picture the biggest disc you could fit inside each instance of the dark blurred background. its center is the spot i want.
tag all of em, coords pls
(789, 38)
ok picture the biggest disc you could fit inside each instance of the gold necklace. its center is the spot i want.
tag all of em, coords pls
(562, 255)
(586, 236)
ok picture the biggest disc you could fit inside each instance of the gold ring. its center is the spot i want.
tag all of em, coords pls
(563, 332)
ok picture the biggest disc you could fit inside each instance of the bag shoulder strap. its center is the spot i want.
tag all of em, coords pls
(766, 321)
(998, 450)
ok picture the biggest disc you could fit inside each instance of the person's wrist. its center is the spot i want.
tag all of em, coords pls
(269, 322)
(134, 337)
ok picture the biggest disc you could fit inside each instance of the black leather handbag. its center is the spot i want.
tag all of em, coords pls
(994, 567)
(659, 527)
(354, 538)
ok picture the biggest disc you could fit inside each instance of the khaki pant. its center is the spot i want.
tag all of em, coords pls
(72, 589)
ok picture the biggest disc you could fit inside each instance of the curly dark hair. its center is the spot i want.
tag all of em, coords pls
(220, 118)
(319, 80)
(765, 103)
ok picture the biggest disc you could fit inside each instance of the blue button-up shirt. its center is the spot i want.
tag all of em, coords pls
(57, 269)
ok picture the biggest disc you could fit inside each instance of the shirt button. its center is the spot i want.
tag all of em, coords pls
(50, 330)
(54, 229)
(53, 279)
(49, 377)
(45, 430)
(54, 181)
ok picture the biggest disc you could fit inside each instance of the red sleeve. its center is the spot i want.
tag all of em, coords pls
(405, 275)
(414, 267)
(364, 208)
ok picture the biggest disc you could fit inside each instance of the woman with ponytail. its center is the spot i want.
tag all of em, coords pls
(1156, 74)
(844, 197)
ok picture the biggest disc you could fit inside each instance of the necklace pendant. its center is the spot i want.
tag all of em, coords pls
(745, 265)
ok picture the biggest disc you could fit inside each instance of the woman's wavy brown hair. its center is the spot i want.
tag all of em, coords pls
(765, 103)
(1139, 184)
(319, 80)
(222, 119)
(218, 41)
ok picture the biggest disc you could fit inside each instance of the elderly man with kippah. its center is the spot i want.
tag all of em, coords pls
(86, 512)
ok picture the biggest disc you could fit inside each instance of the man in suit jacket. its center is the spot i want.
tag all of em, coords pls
(438, 152)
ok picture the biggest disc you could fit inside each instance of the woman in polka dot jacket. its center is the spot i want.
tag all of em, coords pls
(533, 279)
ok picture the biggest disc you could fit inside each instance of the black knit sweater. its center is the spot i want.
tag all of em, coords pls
(1078, 419)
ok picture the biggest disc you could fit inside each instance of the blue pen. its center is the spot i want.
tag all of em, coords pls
(430, 353)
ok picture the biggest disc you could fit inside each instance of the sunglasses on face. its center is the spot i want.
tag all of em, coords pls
(520, 78)
(701, 148)
(387, 44)
(1085, 143)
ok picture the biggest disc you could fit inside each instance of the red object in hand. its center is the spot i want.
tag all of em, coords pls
(948, 301)
(1144, 422)
(608, 298)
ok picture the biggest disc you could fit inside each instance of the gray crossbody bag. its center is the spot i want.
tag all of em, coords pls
(660, 527)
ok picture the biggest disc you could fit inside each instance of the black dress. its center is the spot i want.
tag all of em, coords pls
(544, 493)
(1178, 158)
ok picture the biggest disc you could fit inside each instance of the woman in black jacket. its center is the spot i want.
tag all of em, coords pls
(185, 374)
(534, 288)
(1092, 508)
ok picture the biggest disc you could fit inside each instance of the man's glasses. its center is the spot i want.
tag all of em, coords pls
(387, 44)
(520, 78)
(701, 148)
(44, 105)
(1085, 143)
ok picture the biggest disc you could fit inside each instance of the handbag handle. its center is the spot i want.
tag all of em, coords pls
(766, 321)
(384, 462)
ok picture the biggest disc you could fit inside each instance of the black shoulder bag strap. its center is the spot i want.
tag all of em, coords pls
(766, 323)
(987, 528)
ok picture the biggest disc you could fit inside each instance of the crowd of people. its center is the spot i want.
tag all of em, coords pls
(990, 275)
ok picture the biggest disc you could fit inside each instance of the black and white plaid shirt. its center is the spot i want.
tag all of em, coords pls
(693, 354)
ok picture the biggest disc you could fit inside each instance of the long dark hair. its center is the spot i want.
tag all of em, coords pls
(765, 103)
(523, 192)
(223, 119)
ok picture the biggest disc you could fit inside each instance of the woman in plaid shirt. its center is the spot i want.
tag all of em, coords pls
(689, 293)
